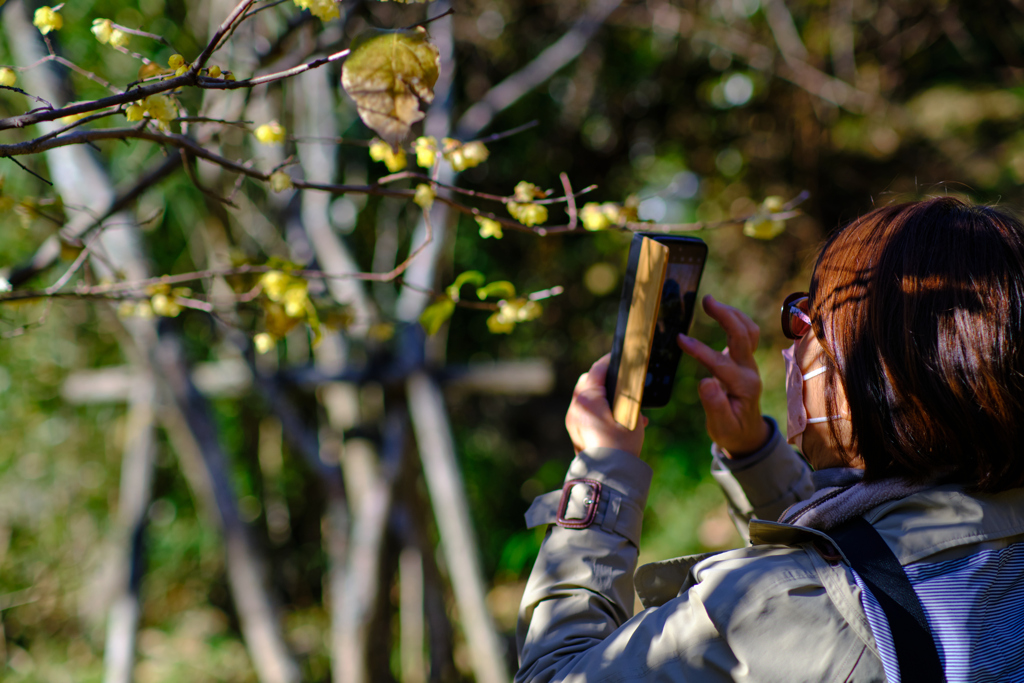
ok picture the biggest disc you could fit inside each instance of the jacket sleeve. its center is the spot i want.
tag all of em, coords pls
(581, 587)
(763, 484)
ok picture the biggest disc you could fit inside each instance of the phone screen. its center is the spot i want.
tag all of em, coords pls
(678, 297)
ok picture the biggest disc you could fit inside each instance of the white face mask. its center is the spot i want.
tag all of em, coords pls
(796, 412)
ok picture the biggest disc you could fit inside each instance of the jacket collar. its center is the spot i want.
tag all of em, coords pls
(915, 526)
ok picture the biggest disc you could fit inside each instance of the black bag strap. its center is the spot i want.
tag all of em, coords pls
(878, 567)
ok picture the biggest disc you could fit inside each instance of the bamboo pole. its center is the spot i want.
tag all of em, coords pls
(451, 509)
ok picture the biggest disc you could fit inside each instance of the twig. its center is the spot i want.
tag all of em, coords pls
(137, 32)
(510, 132)
(22, 329)
(19, 90)
(569, 198)
(30, 171)
(444, 14)
(221, 84)
(260, 9)
(239, 10)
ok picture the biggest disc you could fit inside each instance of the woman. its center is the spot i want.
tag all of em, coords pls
(905, 394)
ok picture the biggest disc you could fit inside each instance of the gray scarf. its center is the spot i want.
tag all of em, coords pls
(841, 494)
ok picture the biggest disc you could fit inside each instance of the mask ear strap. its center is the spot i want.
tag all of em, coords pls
(814, 373)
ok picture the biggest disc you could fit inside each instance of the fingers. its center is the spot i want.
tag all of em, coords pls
(721, 365)
(743, 334)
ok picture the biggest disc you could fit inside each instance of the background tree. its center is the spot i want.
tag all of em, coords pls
(700, 110)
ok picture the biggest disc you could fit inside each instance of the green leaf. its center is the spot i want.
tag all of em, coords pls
(473, 277)
(387, 74)
(436, 314)
(502, 289)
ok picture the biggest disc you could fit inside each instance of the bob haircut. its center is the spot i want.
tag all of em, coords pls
(919, 308)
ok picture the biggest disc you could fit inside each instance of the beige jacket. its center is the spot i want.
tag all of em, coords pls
(779, 610)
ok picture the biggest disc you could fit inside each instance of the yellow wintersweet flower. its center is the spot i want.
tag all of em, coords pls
(135, 112)
(272, 133)
(471, 154)
(8, 77)
(275, 282)
(165, 305)
(426, 151)
(528, 213)
(295, 299)
(175, 61)
(119, 38)
(102, 28)
(527, 192)
(280, 181)
(324, 10)
(593, 218)
(489, 227)
(264, 342)
(462, 156)
(47, 20)
(393, 158)
(763, 225)
(161, 109)
(107, 33)
(424, 196)
(215, 72)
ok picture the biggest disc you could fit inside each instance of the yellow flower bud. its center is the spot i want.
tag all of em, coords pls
(119, 38)
(393, 158)
(215, 72)
(593, 217)
(102, 29)
(499, 325)
(295, 299)
(274, 283)
(8, 77)
(527, 192)
(426, 151)
(46, 20)
(272, 133)
(489, 227)
(324, 10)
(424, 196)
(165, 305)
(264, 342)
(763, 228)
(280, 181)
(175, 61)
(528, 213)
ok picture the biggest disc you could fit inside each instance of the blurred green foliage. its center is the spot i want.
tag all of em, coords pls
(689, 104)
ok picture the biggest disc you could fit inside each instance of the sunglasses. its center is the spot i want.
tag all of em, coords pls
(796, 321)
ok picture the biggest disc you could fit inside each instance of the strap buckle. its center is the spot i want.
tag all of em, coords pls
(590, 502)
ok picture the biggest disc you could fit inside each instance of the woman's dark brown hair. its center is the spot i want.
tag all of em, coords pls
(920, 310)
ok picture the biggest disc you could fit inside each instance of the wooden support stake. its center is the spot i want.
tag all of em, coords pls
(451, 509)
(410, 576)
(136, 491)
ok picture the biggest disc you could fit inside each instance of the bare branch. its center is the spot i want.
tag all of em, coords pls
(236, 14)
(223, 84)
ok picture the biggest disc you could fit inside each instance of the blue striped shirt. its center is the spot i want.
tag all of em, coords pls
(975, 608)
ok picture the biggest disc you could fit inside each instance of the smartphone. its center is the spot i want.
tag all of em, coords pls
(685, 265)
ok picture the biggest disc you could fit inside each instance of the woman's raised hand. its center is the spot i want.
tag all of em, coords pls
(589, 420)
(732, 396)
